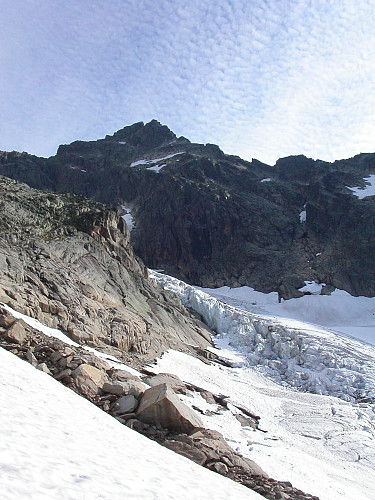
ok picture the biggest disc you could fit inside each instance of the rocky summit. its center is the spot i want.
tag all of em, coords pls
(213, 219)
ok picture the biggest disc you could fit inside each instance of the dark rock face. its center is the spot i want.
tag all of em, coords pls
(214, 219)
(68, 262)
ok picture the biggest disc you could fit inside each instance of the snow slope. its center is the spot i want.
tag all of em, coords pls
(152, 162)
(54, 444)
(321, 444)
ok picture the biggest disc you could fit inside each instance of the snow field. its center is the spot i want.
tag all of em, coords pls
(55, 444)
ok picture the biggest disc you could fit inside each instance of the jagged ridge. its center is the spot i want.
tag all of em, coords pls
(208, 218)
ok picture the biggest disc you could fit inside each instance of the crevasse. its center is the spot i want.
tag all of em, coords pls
(303, 356)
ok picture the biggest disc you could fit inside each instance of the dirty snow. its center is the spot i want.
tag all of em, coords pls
(368, 190)
(302, 215)
(55, 444)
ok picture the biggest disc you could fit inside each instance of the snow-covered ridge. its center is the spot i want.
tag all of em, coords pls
(304, 356)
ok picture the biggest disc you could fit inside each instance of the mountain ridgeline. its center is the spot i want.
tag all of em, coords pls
(213, 219)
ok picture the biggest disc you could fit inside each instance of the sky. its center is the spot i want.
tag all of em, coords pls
(262, 79)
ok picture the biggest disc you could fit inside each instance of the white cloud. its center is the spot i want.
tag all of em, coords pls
(262, 79)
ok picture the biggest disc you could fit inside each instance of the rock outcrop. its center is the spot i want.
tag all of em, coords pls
(160, 404)
(68, 262)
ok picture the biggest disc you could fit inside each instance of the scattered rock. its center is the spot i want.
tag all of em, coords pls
(187, 451)
(43, 367)
(218, 467)
(63, 374)
(135, 424)
(122, 375)
(125, 404)
(208, 396)
(31, 358)
(6, 319)
(246, 421)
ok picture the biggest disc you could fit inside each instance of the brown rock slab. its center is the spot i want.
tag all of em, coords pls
(117, 388)
(17, 332)
(186, 450)
(88, 379)
(160, 405)
(123, 375)
(167, 378)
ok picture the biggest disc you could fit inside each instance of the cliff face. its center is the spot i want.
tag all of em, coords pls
(214, 219)
(68, 262)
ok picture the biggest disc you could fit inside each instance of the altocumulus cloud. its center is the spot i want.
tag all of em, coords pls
(262, 79)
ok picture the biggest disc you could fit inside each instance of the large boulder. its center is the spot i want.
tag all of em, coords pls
(160, 405)
(88, 379)
(17, 332)
(6, 319)
(125, 404)
(167, 378)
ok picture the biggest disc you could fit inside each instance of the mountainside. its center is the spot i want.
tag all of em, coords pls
(68, 262)
(214, 219)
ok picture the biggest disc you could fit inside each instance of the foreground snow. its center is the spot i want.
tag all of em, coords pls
(54, 444)
(323, 445)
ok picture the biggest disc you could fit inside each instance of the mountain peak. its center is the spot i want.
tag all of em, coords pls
(153, 134)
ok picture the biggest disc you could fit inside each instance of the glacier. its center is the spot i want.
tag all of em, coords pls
(301, 355)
